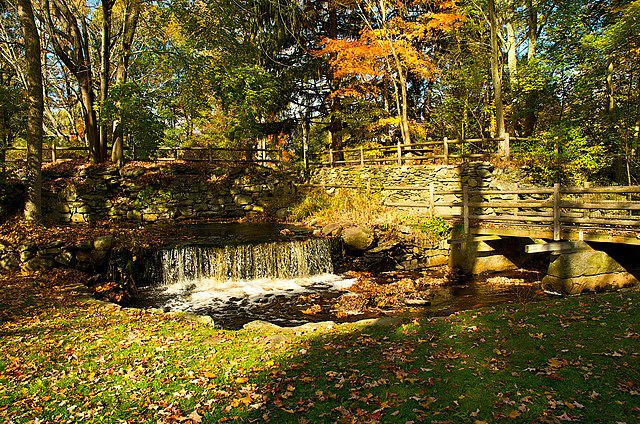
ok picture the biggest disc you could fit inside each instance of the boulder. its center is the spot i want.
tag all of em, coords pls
(104, 243)
(38, 264)
(242, 199)
(586, 270)
(333, 230)
(358, 239)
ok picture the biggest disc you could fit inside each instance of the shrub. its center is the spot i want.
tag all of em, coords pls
(562, 155)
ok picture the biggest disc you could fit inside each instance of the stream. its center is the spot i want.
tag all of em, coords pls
(237, 273)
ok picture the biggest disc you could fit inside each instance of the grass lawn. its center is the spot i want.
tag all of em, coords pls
(65, 360)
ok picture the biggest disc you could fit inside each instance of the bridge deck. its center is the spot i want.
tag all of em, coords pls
(570, 234)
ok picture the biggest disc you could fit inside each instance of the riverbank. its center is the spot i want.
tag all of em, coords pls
(64, 359)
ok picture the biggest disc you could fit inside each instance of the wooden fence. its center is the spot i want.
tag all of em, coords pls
(444, 150)
(587, 209)
(190, 154)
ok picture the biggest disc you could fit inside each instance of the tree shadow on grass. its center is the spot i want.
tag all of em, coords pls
(501, 363)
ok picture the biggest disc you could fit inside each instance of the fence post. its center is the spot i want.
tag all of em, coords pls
(556, 211)
(431, 200)
(465, 208)
(361, 156)
(54, 156)
(446, 150)
(331, 158)
(399, 153)
(585, 199)
(505, 148)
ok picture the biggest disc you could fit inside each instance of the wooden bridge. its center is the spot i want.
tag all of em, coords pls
(598, 214)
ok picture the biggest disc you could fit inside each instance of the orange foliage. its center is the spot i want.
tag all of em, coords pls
(353, 57)
(365, 60)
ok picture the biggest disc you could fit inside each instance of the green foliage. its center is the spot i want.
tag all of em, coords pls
(248, 94)
(144, 128)
(310, 205)
(437, 227)
(152, 194)
(562, 155)
(13, 111)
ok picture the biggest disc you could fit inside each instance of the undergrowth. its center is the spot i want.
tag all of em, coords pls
(366, 207)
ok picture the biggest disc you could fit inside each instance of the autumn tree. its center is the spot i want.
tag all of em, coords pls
(392, 44)
(71, 28)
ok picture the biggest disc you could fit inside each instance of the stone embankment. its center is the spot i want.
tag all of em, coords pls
(155, 193)
(88, 255)
(106, 273)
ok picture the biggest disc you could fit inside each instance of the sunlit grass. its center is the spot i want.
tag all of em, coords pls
(575, 358)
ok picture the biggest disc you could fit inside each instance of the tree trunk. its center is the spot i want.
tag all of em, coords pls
(132, 12)
(611, 101)
(73, 50)
(402, 102)
(496, 74)
(90, 118)
(406, 136)
(33, 201)
(105, 65)
(335, 126)
(532, 33)
(512, 58)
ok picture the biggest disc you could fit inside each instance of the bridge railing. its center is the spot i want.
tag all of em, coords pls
(555, 208)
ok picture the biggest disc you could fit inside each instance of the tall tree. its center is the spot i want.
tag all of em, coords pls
(130, 23)
(69, 34)
(33, 74)
(496, 69)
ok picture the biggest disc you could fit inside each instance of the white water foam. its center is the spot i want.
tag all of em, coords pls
(209, 293)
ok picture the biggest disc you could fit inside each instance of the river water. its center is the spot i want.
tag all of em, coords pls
(237, 273)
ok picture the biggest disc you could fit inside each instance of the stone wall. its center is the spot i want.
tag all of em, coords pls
(153, 193)
(90, 256)
(444, 177)
(476, 175)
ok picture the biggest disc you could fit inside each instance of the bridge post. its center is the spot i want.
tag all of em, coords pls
(331, 158)
(465, 208)
(585, 199)
(556, 211)
(361, 156)
(399, 159)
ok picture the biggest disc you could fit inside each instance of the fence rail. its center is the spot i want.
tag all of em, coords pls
(432, 150)
(190, 154)
(444, 150)
(558, 209)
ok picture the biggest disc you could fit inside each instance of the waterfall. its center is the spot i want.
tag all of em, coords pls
(197, 267)
(237, 283)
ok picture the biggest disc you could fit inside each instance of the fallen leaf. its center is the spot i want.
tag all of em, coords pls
(514, 414)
